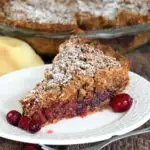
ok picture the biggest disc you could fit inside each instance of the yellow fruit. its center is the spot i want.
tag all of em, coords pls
(16, 54)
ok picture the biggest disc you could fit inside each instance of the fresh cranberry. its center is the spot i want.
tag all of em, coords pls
(34, 126)
(29, 146)
(121, 103)
(24, 123)
(13, 117)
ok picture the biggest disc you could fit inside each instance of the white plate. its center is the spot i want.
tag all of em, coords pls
(96, 127)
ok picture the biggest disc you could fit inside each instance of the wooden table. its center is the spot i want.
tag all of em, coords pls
(141, 65)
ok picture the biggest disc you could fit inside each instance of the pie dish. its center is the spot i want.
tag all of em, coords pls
(83, 78)
(48, 44)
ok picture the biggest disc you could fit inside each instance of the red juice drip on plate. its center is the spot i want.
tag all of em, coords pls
(49, 131)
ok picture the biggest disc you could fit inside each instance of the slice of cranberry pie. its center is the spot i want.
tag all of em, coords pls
(82, 79)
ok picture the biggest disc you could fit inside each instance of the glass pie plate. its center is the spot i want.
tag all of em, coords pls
(46, 42)
(93, 34)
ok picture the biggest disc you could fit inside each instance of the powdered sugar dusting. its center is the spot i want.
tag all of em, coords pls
(110, 8)
(45, 11)
(77, 58)
(64, 11)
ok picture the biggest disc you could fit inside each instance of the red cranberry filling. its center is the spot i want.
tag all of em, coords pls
(39, 117)
(70, 109)
(107, 94)
(81, 107)
(58, 111)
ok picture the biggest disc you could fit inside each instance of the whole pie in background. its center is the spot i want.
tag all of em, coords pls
(65, 15)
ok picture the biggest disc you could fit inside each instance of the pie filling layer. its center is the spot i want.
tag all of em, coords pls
(61, 110)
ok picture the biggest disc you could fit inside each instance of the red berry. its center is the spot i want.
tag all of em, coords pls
(13, 117)
(24, 123)
(34, 126)
(121, 103)
(31, 147)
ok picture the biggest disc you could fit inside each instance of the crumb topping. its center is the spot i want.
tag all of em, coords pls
(77, 58)
(74, 58)
(63, 11)
(110, 8)
(45, 11)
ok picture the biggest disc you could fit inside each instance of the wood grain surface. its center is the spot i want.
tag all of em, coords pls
(140, 63)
